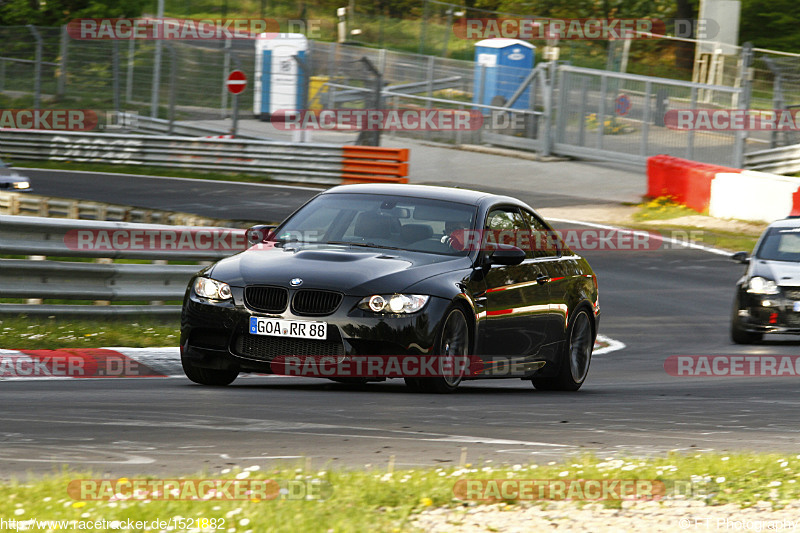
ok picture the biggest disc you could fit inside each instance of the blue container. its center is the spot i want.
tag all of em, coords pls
(501, 65)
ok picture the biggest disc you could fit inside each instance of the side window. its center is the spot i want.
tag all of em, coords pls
(507, 226)
(544, 242)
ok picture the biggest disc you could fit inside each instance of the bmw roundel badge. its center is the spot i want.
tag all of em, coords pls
(296, 282)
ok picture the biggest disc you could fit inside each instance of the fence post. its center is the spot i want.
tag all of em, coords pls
(37, 79)
(115, 74)
(648, 88)
(62, 75)
(744, 102)
(690, 133)
(156, 68)
(173, 67)
(129, 86)
(226, 68)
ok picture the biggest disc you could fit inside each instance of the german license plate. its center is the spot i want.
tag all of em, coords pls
(278, 327)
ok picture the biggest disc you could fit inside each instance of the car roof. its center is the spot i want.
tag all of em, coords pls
(433, 192)
(791, 222)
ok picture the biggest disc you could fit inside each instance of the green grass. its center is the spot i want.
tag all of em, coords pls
(373, 499)
(662, 208)
(665, 208)
(37, 333)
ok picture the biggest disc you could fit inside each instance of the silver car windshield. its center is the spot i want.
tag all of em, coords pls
(780, 244)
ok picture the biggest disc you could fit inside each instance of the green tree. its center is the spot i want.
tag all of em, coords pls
(771, 24)
(57, 12)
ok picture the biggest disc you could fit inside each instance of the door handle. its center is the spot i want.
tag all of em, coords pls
(541, 280)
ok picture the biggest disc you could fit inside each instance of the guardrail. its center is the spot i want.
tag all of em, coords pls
(783, 160)
(16, 203)
(304, 162)
(39, 278)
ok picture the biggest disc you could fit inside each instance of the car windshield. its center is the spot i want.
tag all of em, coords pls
(379, 221)
(780, 244)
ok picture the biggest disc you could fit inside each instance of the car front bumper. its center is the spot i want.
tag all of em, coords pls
(215, 335)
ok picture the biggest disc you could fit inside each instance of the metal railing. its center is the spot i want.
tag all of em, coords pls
(783, 160)
(39, 278)
(16, 203)
(282, 161)
(316, 163)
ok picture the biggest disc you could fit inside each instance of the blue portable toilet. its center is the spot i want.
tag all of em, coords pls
(501, 65)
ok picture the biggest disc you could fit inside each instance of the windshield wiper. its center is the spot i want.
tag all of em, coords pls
(363, 245)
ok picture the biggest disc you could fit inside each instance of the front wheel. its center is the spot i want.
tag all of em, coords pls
(576, 357)
(207, 376)
(453, 348)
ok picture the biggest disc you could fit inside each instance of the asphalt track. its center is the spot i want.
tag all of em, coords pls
(659, 303)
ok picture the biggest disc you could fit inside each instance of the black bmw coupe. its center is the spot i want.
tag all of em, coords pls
(377, 271)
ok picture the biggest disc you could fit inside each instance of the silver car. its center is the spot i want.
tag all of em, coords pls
(11, 180)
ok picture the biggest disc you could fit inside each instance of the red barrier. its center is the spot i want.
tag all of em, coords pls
(688, 182)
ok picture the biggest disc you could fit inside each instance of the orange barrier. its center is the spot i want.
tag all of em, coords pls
(374, 164)
(688, 182)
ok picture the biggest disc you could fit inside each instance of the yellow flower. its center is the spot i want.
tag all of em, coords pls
(427, 502)
(78, 505)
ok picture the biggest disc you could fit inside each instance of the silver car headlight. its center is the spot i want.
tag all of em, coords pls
(759, 285)
(21, 185)
(212, 289)
(394, 303)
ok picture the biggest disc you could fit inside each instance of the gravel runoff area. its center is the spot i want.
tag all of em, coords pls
(666, 516)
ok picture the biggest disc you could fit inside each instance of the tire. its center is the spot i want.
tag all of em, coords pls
(207, 376)
(453, 342)
(739, 335)
(576, 357)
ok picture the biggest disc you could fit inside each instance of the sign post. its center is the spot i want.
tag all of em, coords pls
(236, 83)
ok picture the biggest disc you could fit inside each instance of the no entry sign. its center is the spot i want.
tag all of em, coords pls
(236, 82)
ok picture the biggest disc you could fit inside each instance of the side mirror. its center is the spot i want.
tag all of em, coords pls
(741, 257)
(507, 255)
(259, 233)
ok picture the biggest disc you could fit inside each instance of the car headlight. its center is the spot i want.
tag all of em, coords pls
(759, 285)
(393, 303)
(21, 185)
(212, 289)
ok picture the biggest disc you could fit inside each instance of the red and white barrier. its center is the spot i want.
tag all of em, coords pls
(724, 192)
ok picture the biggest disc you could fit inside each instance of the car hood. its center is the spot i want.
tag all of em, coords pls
(785, 273)
(354, 271)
